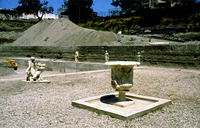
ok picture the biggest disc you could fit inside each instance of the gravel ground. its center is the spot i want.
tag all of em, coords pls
(6, 69)
(49, 105)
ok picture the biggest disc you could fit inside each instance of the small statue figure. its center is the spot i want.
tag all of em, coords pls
(34, 70)
(119, 36)
(138, 58)
(76, 56)
(106, 56)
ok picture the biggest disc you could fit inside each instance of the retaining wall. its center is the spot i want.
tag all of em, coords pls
(62, 66)
(177, 54)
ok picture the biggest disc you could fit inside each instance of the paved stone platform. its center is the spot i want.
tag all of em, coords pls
(134, 106)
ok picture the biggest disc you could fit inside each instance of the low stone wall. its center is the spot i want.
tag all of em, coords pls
(176, 54)
(62, 66)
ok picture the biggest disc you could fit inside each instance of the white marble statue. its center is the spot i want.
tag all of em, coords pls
(76, 56)
(119, 36)
(106, 56)
(138, 57)
(34, 70)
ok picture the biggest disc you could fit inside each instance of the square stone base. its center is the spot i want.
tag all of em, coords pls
(43, 81)
(134, 106)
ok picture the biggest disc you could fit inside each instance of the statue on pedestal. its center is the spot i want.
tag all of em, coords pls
(76, 56)
(34, 70)
(106, 56)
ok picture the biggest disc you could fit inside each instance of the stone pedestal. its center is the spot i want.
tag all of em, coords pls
(122, 96)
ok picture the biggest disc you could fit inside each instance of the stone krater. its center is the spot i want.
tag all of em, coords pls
(121, 104)
(122, 76)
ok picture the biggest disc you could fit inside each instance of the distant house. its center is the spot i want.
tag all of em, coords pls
(10, 14)
(45, 16)
(61, 10)
(153, 4)
(50, 16)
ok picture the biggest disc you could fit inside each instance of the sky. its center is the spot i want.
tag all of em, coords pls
(98, 5)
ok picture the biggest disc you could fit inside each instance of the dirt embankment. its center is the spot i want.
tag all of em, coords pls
(63, 32)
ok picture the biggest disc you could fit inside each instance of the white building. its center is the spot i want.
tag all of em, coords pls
(162, 3)
(60, 10)
(45, 16)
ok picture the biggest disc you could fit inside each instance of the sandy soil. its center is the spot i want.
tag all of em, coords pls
(49, 105)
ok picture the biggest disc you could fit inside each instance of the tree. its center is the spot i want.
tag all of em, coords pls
(128, 5)
(34, 7)
(79, 10)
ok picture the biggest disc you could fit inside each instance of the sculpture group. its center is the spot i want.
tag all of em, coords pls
(34, 70)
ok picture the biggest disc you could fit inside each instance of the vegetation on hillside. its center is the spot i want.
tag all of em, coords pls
(136, 24)
(16, 25)
(166, 21)
(10, 30)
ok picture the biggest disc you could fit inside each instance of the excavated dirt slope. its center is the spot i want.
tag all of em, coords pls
(63, 32)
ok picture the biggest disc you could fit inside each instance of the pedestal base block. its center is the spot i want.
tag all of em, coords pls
(123, 103)
(43, 81)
